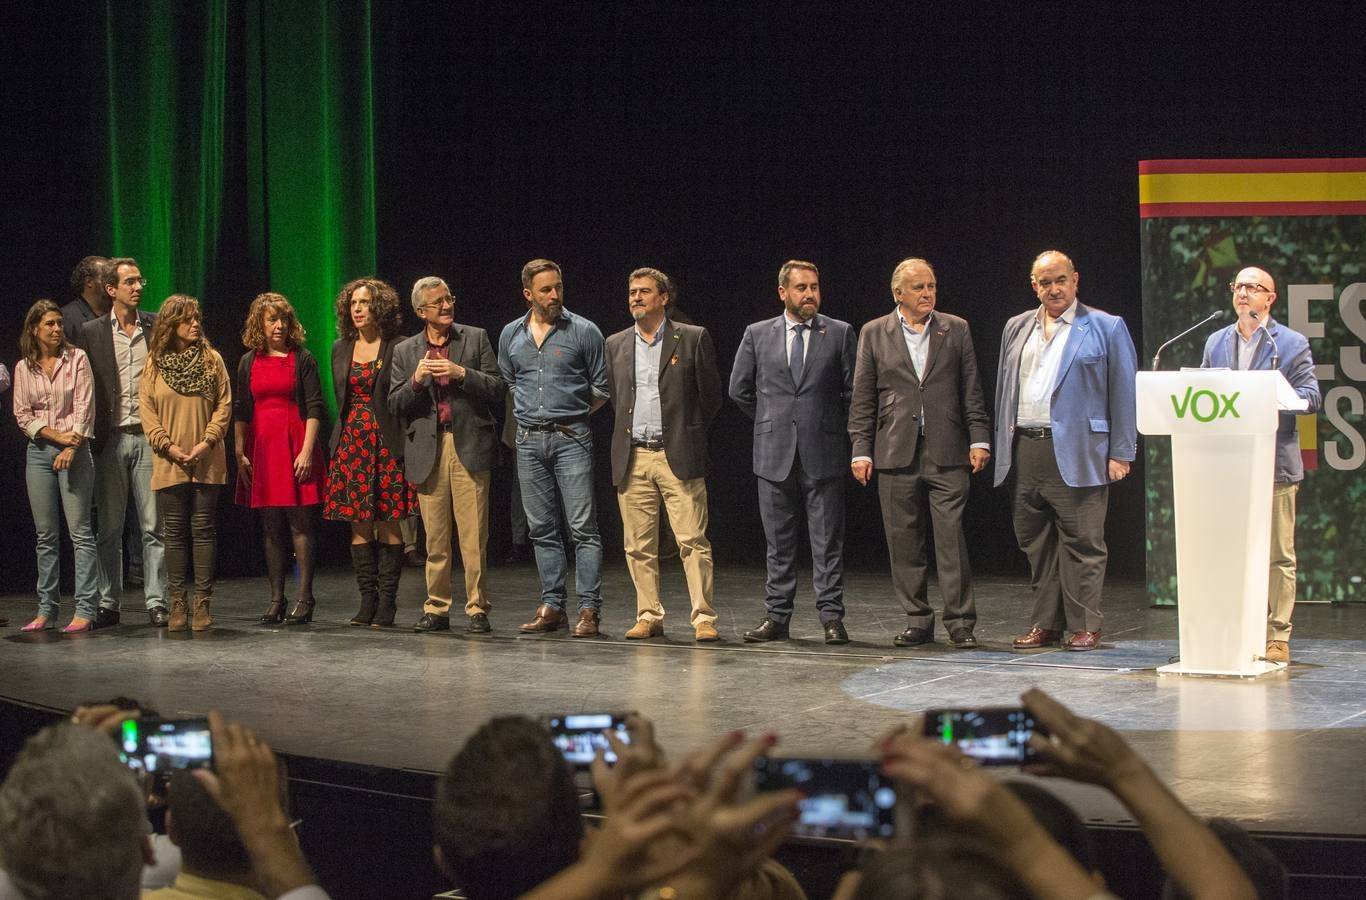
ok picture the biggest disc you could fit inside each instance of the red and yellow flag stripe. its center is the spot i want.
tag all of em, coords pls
(1170, 188)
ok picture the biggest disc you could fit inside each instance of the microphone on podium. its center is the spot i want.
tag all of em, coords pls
(1217, 314)
(1275, 350)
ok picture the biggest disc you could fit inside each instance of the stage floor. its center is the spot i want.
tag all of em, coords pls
(1279, 754)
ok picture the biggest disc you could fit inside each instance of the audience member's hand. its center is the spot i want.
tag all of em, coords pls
(245, 776)
(730, 833)
(1077, 748)
(245, 782)
(624, 855)
(642, 754)
(958, 786)
(104, 717)
(243, 469)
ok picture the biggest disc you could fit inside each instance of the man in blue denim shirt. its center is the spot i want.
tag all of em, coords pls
(554, 364)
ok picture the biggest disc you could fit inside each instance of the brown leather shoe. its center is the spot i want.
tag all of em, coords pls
(547, 619)
(706, 631)
(587, 626)
(202, 620)
(1278, 651)
(643, 629)
(1037, 637)
(1083, 640)
(180, 616)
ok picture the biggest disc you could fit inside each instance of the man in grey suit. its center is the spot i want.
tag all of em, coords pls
(1067, 422)
(445, 385)
(919, 418)
(793, 376)
(117, 346)
(665, 391)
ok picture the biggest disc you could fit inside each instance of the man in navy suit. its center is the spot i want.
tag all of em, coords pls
(1256, 341)
(1065, 416)
(794, 375)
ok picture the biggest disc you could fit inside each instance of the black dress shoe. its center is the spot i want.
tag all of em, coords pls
(767, 630)
(962, 639)
(414, 558)
(158, 616)
(914, 637)
(479, 624)
(105, 617)
(433, 622)
(835, 633)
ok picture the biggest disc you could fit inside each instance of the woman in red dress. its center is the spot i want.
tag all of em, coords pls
(278, 408)
(365, 484)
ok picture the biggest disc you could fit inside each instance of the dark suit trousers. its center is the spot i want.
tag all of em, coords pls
(1062, 531)
(822, 502)
(903, 494)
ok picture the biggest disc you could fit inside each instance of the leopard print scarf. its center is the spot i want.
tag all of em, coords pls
(188, 372)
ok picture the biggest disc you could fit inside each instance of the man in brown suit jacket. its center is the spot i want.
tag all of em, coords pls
(665, 390)
(919, 418)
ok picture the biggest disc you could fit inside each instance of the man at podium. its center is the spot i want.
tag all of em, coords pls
(1066, 417)
(1256, 341)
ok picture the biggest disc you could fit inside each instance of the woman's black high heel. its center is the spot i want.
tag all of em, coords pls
(274, 615)
(302, 614)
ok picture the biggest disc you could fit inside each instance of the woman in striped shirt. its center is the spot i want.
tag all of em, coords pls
(53, 403)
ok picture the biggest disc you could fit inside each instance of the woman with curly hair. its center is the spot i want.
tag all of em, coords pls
(278, 408)
(54, 405)
(186, 403)
(365, 484)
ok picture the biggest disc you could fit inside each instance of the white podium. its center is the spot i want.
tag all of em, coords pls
(1223, 429)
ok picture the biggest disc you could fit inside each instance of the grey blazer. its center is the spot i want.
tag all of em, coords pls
(472, 403)
(885, 414)
(811, 417)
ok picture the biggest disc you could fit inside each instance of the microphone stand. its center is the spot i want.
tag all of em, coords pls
(1209, 318)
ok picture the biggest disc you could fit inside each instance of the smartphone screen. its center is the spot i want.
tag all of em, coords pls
(164, 745)
(993, 736)
(580, 736)
(844, 798)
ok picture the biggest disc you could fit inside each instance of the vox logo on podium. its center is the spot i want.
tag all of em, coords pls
(1205, 405)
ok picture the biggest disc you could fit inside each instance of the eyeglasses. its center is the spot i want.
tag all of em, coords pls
(440, 304)
(1248, 286)
(140, 282)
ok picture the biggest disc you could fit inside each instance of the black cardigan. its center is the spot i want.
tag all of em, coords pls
(390, 427)
(308, 388)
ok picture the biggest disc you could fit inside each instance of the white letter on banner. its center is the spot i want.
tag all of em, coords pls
(1330, 449)
(1349, 306)
(1297, 313)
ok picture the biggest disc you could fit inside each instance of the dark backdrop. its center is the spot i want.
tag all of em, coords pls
(715, 144)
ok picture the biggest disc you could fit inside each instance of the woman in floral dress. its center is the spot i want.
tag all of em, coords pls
(365, 484)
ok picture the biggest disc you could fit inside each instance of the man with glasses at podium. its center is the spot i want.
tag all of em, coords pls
(1256, 341)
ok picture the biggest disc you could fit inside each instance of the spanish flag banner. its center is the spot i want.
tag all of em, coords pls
(1303, 221)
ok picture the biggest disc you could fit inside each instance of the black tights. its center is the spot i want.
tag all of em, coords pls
(297, 521)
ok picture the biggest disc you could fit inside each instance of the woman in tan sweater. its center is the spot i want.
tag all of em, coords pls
(186, 405)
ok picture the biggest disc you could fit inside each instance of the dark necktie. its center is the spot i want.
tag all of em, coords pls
(796, 359)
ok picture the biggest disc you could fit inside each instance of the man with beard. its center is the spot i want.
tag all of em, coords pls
(793, 376)
(666, 392)
(554, 364)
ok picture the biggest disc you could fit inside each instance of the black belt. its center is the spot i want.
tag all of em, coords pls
(551, 426)
(656, 444)
(129, 429)
(1032, 432)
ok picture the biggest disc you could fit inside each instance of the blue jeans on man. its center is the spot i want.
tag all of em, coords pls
(555, 469)
(124, 465)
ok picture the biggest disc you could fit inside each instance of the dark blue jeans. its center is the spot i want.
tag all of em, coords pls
(556, 474)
